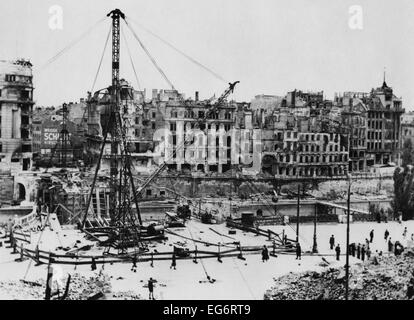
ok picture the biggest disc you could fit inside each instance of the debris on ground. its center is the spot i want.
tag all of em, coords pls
(81, 288)
(382, 278)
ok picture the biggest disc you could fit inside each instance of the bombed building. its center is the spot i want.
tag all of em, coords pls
(16, 103)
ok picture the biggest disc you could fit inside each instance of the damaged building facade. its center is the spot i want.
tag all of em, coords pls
(375, 118)
(16, 106)
(299, 135)
(16, 103)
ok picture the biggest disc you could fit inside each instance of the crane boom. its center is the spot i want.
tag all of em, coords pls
(186, 142)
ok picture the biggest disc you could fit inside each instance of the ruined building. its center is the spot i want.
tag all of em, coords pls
(16, 103)
(407, 127)
(216, 146)
(383, 130)
(354, 117)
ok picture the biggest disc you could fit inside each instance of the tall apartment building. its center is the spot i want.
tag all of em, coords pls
(16, 104)
(213, 142)
(354, 117)
(384, 111)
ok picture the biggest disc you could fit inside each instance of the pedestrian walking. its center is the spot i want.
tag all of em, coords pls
(332, 242)
(338, 251)
(405, 233)
(298, 252)
(368, 253)
(151, 289)
(265, 254)
(173, 262)
(134, 263)
(390, 245)
(386, 234)
(371, 236)
(363, 250)
(359, 251)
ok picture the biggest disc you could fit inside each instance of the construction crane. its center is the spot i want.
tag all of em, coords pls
(125, 229)
(123, 192)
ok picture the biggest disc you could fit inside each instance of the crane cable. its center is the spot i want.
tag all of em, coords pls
(199, 64)
(154, 62)
(130, 59)
(70, 45)
(100, 62)
(201, 260)
(241, 274)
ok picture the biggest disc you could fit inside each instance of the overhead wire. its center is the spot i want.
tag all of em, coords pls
(102, 57)
(154, 62)
(130, 59)
(199, 64)
(70, 45)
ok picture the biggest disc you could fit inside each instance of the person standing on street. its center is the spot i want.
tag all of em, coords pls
(367, 243)
(298, 252)
(353, 249)
(405, 233)
(265, 254)
(390, 245)
(363, 253)
(151, 288)
(338, 251)
(173, 262)
(371, 236)
(332, 242)
(386, 234)
(359, 251)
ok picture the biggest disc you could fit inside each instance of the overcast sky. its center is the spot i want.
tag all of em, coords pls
(270, 46)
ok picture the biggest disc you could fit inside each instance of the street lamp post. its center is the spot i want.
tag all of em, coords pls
(315, 245)
(297, 215)
(347, 238)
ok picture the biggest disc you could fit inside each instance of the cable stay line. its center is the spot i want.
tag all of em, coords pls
(154, 62)
(102, 57)
(132, 61)
(199, 64)
(70, 45)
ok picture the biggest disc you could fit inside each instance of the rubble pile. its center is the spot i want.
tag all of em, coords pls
(388, 278)
(81, 288)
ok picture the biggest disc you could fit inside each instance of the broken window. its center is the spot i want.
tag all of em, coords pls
(15, 125)
(10, 78)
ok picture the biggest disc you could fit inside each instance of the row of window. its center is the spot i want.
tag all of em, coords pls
(310, 172)
(201, 114)
(314, 159)
(312, 148)
(173, 126)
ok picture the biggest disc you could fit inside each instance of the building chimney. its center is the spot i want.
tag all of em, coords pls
(196, 96)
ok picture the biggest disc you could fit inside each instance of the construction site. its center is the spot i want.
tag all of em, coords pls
(102, 195)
